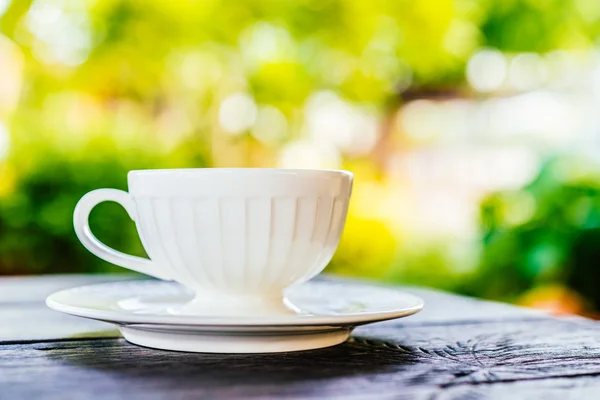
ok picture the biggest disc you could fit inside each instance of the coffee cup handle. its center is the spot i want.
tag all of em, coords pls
(99, 249)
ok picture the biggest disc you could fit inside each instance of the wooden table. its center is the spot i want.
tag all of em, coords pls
(457, 348)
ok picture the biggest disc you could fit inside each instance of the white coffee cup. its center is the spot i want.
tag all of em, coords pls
(236, 236)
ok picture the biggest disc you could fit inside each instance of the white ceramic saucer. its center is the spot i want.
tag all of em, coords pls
(328, 313)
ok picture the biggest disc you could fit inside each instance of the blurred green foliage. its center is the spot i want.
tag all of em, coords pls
(112, 85)
(546, 233)
(35, 218)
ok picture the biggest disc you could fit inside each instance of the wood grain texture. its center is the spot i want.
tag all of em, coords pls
(458, 348)
(423, 362)
(581, 388)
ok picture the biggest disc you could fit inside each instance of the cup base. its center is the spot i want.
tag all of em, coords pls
(227, 342)
(236, 306)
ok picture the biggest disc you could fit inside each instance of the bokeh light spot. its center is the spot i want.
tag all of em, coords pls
(4, 4)
(62, 34)
(527, 71)
(271, 125)
(237, 113)
(4, 141)
(486, 70)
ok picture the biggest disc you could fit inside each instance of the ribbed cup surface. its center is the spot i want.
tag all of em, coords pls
(243, 244)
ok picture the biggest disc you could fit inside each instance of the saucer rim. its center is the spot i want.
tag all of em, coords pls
(349, 319)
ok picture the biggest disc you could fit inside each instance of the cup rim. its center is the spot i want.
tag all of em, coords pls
(207, 170)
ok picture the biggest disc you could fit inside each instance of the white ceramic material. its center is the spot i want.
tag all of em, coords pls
(327, 313)
(237, 237)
